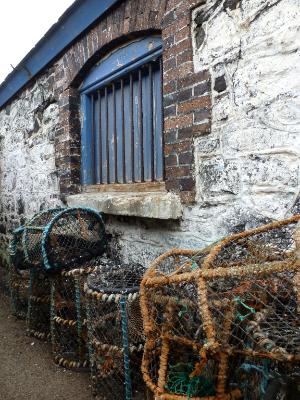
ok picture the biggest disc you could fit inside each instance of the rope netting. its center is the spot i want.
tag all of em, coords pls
(231, 319)
(19, 292)
(38, 307)
(68, 316)
(52, 240)
(18, 281)
(58, 238)
(115, 331)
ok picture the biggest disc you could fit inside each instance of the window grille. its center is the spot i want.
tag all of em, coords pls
(124, 127)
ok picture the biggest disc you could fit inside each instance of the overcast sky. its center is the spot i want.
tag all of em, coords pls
(22, 24)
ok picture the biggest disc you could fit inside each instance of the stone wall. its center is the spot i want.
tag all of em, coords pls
(232, 122)
(250, 160)
(28, 177)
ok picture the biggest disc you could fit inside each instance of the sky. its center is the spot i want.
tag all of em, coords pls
(22, 24)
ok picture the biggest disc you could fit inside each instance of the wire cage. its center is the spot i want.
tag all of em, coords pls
(115, 331)
(175, 363)
(38, 308)
(63, 238)
(251, 284)
(230, 326)
(19, 292)
(68, 316)
(18, 280)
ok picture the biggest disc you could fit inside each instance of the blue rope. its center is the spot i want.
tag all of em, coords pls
(263, 370)
(128, 390)
(78, 314)
(90, 334)
(52, 314)
(29, 307)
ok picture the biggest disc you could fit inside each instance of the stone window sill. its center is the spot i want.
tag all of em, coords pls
(160, 205)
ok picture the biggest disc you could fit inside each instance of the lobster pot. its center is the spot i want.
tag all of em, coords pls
(62, 238)
(29, 290)
(68, 316)
(251, 286)
(176, 364)
(16, 250)
(18, 282)
(115, 331)
(19, 292)
(38, 313)
(242, 308)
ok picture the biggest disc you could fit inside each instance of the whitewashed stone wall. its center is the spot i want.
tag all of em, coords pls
(250, 161)
(247, 168)
(28, 180)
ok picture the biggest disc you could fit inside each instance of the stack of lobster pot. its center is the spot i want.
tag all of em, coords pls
(115, 331)
(49, 247)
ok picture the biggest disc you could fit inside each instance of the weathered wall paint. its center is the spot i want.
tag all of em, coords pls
(246, 168)
(28, 179)
(250, 160)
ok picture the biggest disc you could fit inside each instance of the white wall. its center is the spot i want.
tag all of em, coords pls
(250, 161)
(247, 168)
(28, 180)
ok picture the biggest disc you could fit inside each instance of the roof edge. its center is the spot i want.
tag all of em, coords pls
(75, 20)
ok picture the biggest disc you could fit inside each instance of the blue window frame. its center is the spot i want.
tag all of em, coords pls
(121, 99)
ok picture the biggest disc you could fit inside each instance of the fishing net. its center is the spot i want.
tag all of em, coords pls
(18, 281)
(19, 290)
(68, 316)
(175, 363)
(251, 284)
(38, 311)
(236, 319)
(58, 238)
(115, 331)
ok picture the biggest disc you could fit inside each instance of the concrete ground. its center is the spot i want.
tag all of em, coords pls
(27, 371)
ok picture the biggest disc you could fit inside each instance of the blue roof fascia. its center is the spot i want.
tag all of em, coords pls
(71, 24)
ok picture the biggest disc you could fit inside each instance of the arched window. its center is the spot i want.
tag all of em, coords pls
(121, 101)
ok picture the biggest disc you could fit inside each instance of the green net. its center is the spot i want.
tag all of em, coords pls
(180, 380)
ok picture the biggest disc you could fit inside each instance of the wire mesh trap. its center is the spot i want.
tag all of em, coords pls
(237, 317)
(19, 292)
(38, 311)
(59, 239)
(115, 331)
(18, 280)
(68, 316)
(175, 363)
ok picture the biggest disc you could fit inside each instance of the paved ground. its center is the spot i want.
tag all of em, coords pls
(26, 368)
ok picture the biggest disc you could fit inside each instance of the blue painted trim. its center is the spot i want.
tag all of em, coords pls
(86, 159)
(117, 64)
(122, 61)
(71, 24)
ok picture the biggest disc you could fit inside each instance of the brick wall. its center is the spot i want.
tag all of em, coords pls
(186, 94)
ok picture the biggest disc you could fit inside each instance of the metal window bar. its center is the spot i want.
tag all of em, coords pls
(162, 127)
(132, 129)
(126, 128)
(100, 139)
(107, 137)
(123, 131)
